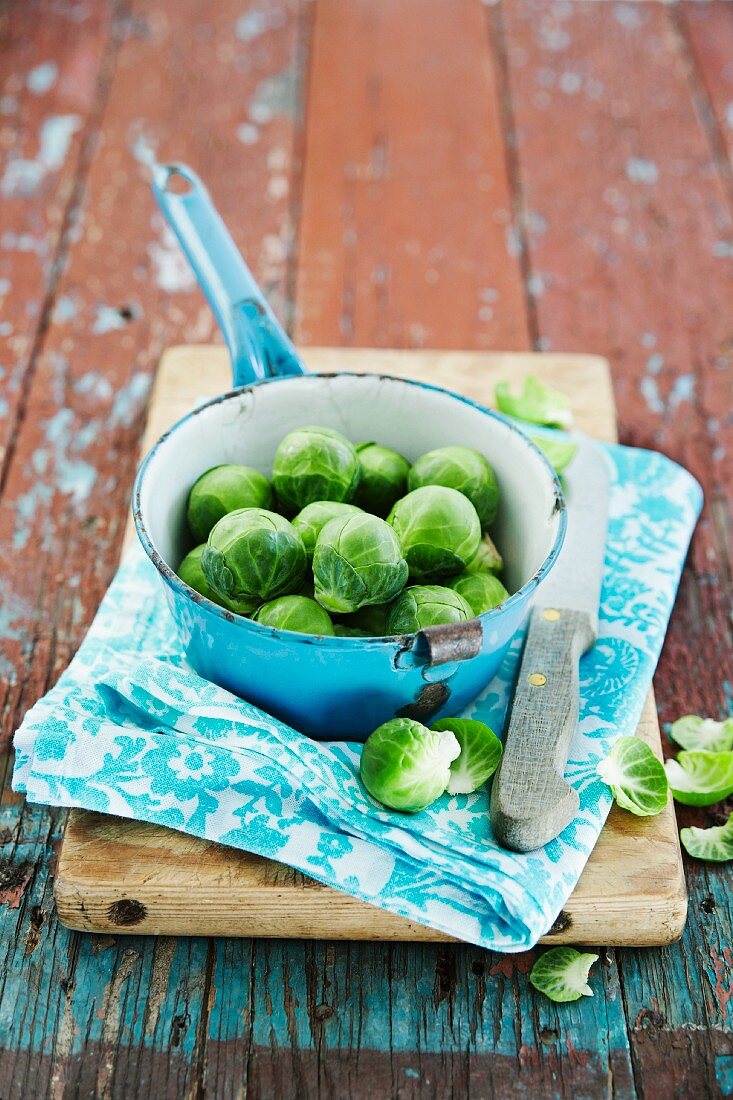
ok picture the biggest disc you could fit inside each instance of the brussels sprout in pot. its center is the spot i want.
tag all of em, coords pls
(330, 686)
(343, 686)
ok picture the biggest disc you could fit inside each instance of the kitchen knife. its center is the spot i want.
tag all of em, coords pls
(530, 800)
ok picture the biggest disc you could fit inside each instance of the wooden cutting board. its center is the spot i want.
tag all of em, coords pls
(115, 875)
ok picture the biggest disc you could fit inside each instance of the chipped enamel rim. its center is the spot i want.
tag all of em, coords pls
(174, 582)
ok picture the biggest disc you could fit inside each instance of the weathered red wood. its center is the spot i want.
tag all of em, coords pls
(406, 237)
(628, 218)
(707, 26)
(52, 75)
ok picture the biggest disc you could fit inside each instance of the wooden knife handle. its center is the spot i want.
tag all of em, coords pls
(530, 801)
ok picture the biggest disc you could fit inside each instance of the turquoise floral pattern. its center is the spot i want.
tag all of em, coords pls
(131, 730)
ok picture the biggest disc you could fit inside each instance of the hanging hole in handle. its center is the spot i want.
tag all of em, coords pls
(175, 179)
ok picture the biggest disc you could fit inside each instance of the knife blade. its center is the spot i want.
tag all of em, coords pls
(530, 800)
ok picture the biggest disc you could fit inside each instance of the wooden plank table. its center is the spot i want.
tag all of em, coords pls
(510, 175)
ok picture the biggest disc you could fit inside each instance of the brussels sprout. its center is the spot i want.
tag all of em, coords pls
(253, 555)
(358, 560)
(313, 518)
(296, 613)
(192, 574)
(439, 530)
(370, 621)
(406, 766)
(345, 630)
(463, 469)
(315, 464)
(487, 558)
(224, 489)
(426, 605)
(383, 477)
(481, 591)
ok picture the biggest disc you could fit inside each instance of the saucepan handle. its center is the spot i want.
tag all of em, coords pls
(259, 346)
(442, 645)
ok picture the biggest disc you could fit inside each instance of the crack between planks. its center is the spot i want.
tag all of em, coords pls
(92, 132)
(497, 47)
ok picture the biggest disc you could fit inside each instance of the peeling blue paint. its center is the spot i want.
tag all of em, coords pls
(95, 384)
(26, 508)
(277, 95)
(722, 249)
(56, 134)
(107, 320)
(650, 392)
(648, 339)
(42, 78)
(248, 134)
(628, 16)
(5, 287)
(654, 363)
(76, 478)
(4, 408)
(641, 170)
(22, 176)
(130, 399)
(65, 309)
(683, 389)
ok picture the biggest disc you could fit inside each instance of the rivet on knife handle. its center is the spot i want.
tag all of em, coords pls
(530, 801)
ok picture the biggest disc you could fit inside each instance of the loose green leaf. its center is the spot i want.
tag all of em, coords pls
(559, 452)
(636, 777)
(701, 778)
(703, 734)
(562, 974)
(536, 402)
(481, 752)
(714, 844)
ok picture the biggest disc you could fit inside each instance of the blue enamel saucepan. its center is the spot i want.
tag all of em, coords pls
(329, 687)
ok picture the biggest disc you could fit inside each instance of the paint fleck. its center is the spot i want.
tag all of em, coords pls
(640, 170)
(26, 508)
(536, 285)
(257, 21)
(627, 16)
(722, 250)
(648, 339)
(570, 83)
(488, 294)
(56, 134)
(654, 363)
(107, 320)
(129, 400)
(683, 389)
(729, 114)
(513, 241)
(650, 392)
(171, 270)
(65, 309)
(23, 176)
(4, 408)
(144, 149)
(42, 78)
(248, 134)
(277, 95)
(76, 478)
(95, 384)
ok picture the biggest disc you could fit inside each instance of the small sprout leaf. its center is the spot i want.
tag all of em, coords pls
(558, 452)
(701, 778)
(481, 752)
(704, 734)
(536, 403)
(562, 974)
(714, 844)
(636, 777)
